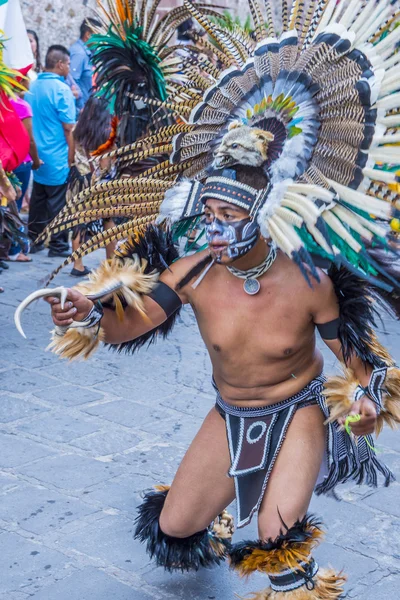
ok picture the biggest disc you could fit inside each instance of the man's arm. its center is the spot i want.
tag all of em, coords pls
(33, 151)
(68, 128)
(326, 316)
(66, 111)
(134, 322)
(77, 66)
(116, 331)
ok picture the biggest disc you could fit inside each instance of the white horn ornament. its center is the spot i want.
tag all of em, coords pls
(61, 292)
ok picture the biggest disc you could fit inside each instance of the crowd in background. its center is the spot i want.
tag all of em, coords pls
(57, 89)
(55, 93)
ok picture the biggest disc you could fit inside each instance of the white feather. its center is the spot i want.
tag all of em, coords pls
(392, 138)
(174, 202)
(390, 121)
(378, 175)
(312, 191)
(362, 18)
(350, 13)
(285, 167)
(377, 207)
(274, 200)
(326, 18)
(339, 228)
(389, 41)
(372, 23)
(391, 61)
(352, 220)
(386, 154)
(390, 102)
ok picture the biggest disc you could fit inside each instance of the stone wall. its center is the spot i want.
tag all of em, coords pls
(58, 21)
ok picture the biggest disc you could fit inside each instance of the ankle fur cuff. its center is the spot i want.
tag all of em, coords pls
(272, 557)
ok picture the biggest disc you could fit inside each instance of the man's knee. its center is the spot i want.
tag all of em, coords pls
(175, 526)
(270, 526)
(269, 531)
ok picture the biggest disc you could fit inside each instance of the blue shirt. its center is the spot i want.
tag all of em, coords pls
(81, 68)
(52, 105)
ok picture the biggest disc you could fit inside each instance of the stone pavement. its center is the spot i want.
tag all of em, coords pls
(79, 442)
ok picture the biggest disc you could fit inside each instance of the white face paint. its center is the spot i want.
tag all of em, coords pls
(239, 237)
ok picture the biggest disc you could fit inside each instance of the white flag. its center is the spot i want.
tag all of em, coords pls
(17, 53)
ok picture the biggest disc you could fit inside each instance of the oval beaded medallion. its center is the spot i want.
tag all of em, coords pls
(251, 286)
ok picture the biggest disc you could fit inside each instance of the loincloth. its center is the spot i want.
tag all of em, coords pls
(255, 437)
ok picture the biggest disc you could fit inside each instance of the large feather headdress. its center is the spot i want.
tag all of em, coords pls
(327, 93)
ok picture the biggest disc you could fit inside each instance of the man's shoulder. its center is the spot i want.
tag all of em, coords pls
(76, 48)
(179, 269)
(302, 279)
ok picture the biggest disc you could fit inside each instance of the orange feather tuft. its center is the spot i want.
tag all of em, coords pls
(110, 142)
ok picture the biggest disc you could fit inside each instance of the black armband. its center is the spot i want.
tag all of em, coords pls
(330, 330)
(165, 297)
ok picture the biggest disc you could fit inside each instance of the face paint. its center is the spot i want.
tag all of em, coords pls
(240, 236)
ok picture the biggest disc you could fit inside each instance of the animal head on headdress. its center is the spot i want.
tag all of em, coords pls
(243, 145)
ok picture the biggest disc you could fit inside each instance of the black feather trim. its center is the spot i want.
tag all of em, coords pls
(388, 265)
(358, 304)
(176, 554)
(302, 531)
(156, 246)
(196, 270)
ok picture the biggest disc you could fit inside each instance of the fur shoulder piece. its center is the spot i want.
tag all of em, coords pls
(358, 303)
(155, 246)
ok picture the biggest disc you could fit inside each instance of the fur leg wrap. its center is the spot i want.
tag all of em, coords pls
(75, 343)
(288, 562)
(340, 393)
(203, 549)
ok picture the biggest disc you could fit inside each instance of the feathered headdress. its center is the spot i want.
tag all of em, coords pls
(316, 107)
(131, 55)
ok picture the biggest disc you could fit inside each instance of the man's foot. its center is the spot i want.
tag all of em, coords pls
(36, 248)
(78, 273)
(20, 257)
(62, 254)
(4, 265)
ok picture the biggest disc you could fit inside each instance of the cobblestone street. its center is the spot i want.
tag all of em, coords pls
(80, 442)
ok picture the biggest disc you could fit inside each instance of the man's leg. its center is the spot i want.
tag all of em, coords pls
(175, 524)
(295, 473)
(38, 218)
(287, 535)
(55, 202)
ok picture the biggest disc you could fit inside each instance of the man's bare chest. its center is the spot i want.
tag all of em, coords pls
(270, 324)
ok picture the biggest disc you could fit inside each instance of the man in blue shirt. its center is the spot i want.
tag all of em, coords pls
(81, 67)
(54, 114)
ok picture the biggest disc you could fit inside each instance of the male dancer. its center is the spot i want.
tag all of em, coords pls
(278, 155)
(263, 352)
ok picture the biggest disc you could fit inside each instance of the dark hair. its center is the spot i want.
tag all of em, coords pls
(94, 124)
(184, 30)
(88, 25)
(255, 177)
(37, 57)
(54, 54)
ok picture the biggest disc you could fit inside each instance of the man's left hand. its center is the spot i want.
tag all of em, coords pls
(366, 408)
